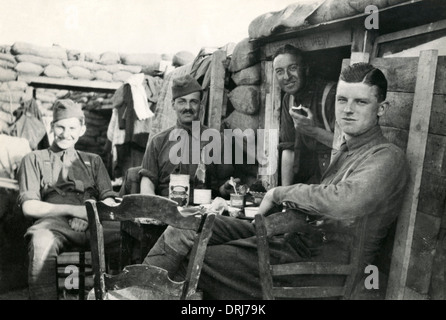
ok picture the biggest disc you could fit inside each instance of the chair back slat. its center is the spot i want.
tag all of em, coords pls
(268, 272)
(309, 292)
(134, 206)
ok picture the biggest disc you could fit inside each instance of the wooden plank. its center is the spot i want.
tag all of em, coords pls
(311, 268)
(432, 194)
(406, 33)
(399, 73)
(308, 292)
(270, 122)
(217, 89)
(69, 83)
(362, 44)
(435, 160)
(422, 252)
(415, 153)
(400, 109)
(314, 41)
(266, 279)
(397, 136)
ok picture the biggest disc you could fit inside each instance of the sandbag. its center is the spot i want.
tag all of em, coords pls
(11, 96)
(38, 60)
(75, 55)
(46, 97)
(7, 57)
(7, 61)
(244, 56)
(292, 16)
(141, 59)
(55, 52)
(29, 68)
(9, 107)
(7, 64)
(182, 58)
(333, 9)
(7, 117)
(242, 121)
(121, 76)
(55, 71)
(245, 99)
(92, 57)
(121, 67)
(7, 75)
(103, 75)
(109, 58)
(84, 64)
(13, 86)
(80, 73)
(4, 127)
(248, 76)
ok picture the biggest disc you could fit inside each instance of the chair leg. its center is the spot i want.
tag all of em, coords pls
(82, 275)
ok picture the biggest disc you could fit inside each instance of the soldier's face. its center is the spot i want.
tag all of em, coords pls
(290, 72)
(67, 132)
(187, 107)
(357, 107)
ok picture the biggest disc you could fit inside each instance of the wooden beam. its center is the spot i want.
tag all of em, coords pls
(415, 153)
(314, 41)
(269, 119)
(217, 89)
(362, 44)
(411, 32)
(47, 82)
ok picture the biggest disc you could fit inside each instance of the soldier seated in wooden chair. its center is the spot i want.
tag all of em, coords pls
(366, 177)
(54, 183)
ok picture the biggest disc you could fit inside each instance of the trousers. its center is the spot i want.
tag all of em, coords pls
(46, 239)
(230, 268)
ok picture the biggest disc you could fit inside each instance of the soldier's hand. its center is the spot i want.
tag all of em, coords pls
(79, 225)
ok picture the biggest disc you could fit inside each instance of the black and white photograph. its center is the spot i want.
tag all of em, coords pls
(232, 152)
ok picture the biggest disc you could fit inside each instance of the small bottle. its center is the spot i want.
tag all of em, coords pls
(201, 194)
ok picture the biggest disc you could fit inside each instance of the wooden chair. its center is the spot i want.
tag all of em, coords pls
(149, 282)
(269, 272)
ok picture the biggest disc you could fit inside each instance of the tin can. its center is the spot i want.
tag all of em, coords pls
(179, 188)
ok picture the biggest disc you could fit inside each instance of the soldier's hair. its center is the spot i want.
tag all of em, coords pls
(368, 74)
(288, 48)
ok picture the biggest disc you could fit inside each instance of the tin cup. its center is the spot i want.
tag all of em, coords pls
(237, 200)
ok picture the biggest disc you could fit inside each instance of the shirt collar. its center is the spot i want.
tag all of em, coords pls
(189, 129)
(365, 138)
(58, 151)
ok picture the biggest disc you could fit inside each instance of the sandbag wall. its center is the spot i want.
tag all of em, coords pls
(245, 72)
(25, 59)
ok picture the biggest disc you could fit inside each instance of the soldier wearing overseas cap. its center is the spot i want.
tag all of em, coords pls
(54, 183)
(157, 165)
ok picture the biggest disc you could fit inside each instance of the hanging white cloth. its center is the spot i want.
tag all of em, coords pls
(140, 103)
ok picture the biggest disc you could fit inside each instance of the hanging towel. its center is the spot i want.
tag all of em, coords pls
(140, 103)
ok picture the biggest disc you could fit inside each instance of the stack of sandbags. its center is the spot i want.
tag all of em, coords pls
(245, 71)
(33, 59)
(7, 65)
(148, 61)
(95, 136)
(12, 94)
(55, 62)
